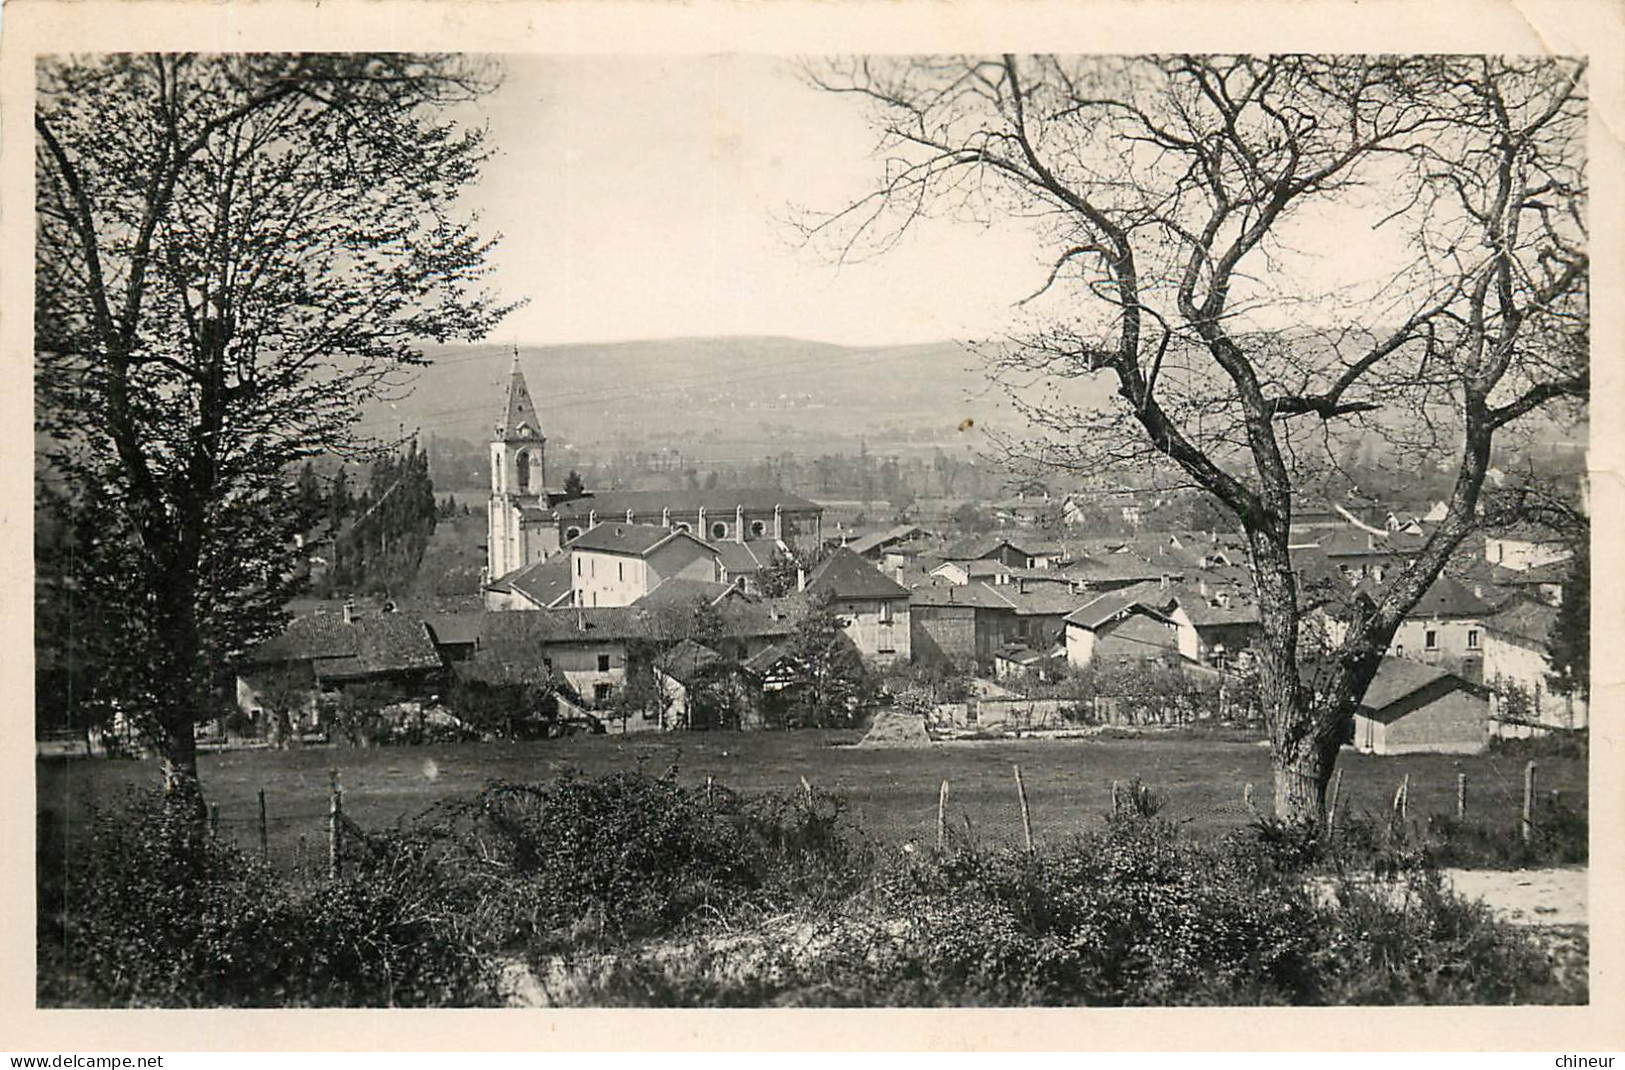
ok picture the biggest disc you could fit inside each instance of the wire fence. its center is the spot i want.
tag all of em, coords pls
(310, 834)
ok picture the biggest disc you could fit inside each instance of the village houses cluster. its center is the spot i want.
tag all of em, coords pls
(583, 586)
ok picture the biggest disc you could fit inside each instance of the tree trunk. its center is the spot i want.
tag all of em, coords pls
(1300, 785)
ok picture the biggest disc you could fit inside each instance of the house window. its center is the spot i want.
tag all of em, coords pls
(719, 530)
(1472, 639)
(885, 612)
(601, 693)
(578, 566)
(1399, 650)
(1431, 640)
(603, 663)
(758, 528)
(682, 526)
(571, 532)
(620, 571)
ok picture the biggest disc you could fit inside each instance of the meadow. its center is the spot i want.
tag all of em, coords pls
(892, 793)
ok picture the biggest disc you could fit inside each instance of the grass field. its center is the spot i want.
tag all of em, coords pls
(892, 792)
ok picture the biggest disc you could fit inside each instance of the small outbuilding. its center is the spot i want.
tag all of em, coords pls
(1413, 708)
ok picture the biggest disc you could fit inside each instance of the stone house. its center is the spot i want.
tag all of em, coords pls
(1516, 670)
(616, 564)
(1413, 708)
(875, 607)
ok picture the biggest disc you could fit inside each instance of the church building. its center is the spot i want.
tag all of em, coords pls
(530, 523)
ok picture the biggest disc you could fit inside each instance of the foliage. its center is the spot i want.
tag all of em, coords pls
(159, 914)
(380, 550)
(573, 486)
(1132, 915)
(1569, 645)
(234, 253)
(594, 862)
(506, 707)
(704, 896)
(832, 687)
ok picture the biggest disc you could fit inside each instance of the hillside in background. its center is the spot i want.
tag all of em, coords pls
(716, 398)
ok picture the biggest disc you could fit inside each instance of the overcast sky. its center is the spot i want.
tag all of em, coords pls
(647, 197)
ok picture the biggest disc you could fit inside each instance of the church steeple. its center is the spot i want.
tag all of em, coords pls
(519, 420)
(518, 483)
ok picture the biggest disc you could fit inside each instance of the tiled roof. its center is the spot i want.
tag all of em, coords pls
(1107, 606)
(1525, 620)
(719, 504)
(684, 661)
(367, 646)
(453, 629)
(878, 539)
(978, 547)
(1353, 542)
(1040, 600)
(632, 540)
(1446, 598)
(845, 575)
(1399, 678)
(973, 596)
(546, 582)
(743, 558)
(680, 590)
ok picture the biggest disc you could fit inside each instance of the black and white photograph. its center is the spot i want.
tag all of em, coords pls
(792, 528)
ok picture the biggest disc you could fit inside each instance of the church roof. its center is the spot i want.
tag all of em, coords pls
(632, 540)
(519, 412)
(719, 504)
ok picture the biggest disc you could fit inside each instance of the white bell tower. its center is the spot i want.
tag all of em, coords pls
(518, 481)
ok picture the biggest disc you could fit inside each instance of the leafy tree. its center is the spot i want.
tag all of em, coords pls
(1569, 645)
(833, 687)
(573, 487)
(310, 501)
(1174, 194)
(233, 254)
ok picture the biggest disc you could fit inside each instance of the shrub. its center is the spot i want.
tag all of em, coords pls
(157, 913)
(1131, 915)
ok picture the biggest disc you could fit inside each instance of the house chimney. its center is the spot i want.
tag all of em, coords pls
(801, 579)
(778, 522)
(592, 518)
(699, 525)
(665, 517)
(581, 620)
(739, 523)
(629, 516)
(349, 612)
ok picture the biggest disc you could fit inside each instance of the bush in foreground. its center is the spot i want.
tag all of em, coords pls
(644, 891)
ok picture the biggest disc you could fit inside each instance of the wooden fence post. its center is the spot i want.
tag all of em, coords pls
(265, 848)
(214, 821)
(1116, 803)
(708, 790)
(1247, 797)
(1399, 797)
(1026, 816)
(942, 816)
(335, 830)
(1529, 802)
(1461, 796)
(806, 792)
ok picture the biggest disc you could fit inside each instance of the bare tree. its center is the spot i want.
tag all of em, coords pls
(1174, 192)
(234, 252)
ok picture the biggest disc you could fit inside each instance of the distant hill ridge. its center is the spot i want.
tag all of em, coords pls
(738, 387)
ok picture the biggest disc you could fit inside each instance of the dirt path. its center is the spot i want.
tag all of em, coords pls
(1526, 896)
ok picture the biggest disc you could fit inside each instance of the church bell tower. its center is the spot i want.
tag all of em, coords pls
(518, 483)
